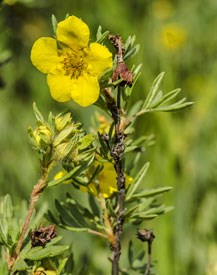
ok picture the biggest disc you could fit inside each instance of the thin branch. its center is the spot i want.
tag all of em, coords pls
(148, 236)
(36, 192)
(148, 265)
(116, 152)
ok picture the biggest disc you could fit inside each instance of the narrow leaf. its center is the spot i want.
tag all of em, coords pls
(77, 215)
(7, 207)
(71, 174)
(93, 205)
(133, 187)
(54, 23)
(152, 192)
(174, 107)
(38, 253)
(38, 115)
(65, 216)
(86, 141)
(74, 229)
(20, 265)
(153, 91)
(167, 97)
(4, 269)
(130, 252)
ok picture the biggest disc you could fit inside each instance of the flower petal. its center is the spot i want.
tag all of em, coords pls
(98, 58)
(73, 32)
(44, 55)
(85, 90)
(60, 87)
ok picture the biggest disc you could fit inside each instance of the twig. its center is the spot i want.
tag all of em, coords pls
(147, 236)
(116, 152)
(148, 265)
(36, 192)
(117, 146)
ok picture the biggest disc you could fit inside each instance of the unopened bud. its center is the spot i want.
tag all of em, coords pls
(62, 120)
(40, 137)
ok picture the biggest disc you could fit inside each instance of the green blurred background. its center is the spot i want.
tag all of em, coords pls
(178, 37)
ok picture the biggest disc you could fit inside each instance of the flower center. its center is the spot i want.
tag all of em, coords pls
(73, 62)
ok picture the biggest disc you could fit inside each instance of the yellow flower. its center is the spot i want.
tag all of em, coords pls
(162, 9)
(104, 124)
(173, 37)
(107, 181)
(72, 67)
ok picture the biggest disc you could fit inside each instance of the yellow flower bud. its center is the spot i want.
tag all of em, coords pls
(41, 137)
(62, 120)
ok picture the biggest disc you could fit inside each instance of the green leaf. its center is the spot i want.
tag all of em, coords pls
(20, 265)
(153, 91)
(38, 253)
(143, 216)
(7, 207)
(54, 23)
(72, 173)
(65, 216)
(132, 52)
(174, 107)
(98, 33)
(129, 42)
(130, 252)
(4, 269)
(152, 192)
(86, 141)
(74, 229)
(131, 148)
(93, 205)
(77, 215)
(38, 115)
(64, 134)
(167, 97)
(61, 265)
(3, 234)
(49, 216)
(54, 241)
(133, 187)
(100, 37)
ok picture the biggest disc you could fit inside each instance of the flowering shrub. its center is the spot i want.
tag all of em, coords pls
(104, 164)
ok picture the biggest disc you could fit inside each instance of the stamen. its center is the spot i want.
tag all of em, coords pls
(73, 63)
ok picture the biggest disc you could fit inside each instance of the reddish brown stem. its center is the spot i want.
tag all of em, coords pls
(36, 192)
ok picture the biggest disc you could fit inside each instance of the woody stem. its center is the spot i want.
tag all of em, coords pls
(116, 151)
(36, 192)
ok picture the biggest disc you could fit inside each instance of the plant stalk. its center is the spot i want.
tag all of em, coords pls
(116, 151)
(36, 192)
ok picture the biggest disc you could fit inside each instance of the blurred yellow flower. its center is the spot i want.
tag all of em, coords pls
(162, 9)
(107, 181)
(104, 124)
(72, 67)
(173, 36)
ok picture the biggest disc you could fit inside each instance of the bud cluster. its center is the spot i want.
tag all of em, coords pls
(59, 138)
